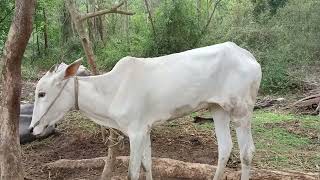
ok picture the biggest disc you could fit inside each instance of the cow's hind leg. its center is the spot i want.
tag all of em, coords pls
(146, 160)
(136, 152)
(222, 129)
(246, 145)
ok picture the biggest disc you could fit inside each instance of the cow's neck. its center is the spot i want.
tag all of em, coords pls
(95, 96)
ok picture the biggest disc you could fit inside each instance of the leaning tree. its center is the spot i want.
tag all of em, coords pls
(79, 20)
(18, 36)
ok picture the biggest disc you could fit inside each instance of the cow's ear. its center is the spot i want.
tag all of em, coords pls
(72, 69)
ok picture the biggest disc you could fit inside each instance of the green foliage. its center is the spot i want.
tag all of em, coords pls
(176, 28)
(6, 14)
(270, 6)
(283, 43)
(283, 35)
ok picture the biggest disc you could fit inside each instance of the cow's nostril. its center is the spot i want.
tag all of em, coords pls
(31, 130)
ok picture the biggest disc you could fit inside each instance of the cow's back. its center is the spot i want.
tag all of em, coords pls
(174, 85)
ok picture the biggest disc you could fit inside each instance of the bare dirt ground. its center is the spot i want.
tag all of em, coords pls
(80, 139)
(81, 144)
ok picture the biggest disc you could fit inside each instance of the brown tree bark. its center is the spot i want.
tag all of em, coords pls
(111, 158)
(90, 5)
(80, 28)
(19, 34)
(67, 26)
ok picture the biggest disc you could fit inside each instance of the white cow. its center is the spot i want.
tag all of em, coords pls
(141, 92)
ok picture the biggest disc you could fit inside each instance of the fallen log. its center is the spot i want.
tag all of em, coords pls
(170, 168)
(313, 100)
(307, 101)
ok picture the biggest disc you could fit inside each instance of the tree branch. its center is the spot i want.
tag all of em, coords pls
(205, 28)
(210, 18)
(150, 17)
(7, 14)
(106, 11)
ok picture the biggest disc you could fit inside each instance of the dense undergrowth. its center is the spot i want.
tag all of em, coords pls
(282, 34)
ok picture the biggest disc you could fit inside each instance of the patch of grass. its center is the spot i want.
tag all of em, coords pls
(260, 117)
(276, 146)
(278, 139)
(205, 126)
(311, 122)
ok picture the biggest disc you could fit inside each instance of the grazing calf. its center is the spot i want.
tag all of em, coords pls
(141, 92)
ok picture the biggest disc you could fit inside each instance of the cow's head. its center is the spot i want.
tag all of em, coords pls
(54, 96)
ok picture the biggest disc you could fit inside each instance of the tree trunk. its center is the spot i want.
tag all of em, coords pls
(19, 34)
(66, 25)
(37, 37)
(89, 22)
(78, 20)
(100, 28)
(110, 160)
(205, 28)
(85, 41)
(199, 8)
(126, 25)
(100, 25)
(45, 30)
(150, 18)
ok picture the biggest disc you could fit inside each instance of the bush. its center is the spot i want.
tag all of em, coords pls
(176, 28)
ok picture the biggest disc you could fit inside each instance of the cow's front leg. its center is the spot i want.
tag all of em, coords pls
(137, 145)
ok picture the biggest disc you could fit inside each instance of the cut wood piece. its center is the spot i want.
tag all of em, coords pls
(170, 168)
(307, 101)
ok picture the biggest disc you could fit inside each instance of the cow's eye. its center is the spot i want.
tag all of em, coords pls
(41, 94)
